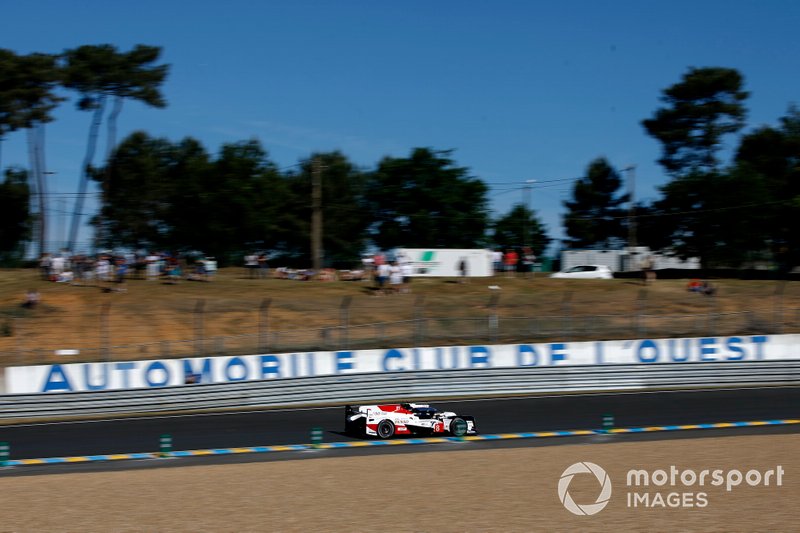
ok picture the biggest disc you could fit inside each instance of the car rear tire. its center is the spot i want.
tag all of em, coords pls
(385, 429)
(458, 427)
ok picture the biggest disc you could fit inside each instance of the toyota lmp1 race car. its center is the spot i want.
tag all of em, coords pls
(386, 421)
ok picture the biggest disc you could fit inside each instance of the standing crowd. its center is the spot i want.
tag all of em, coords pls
(512, 262)
(117, 268)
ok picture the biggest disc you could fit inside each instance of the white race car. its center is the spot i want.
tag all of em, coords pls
(386, 421)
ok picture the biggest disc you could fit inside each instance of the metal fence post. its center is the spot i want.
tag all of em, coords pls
(263, 325)
(18, 340)
(494, 320)
(198, 328)
(325, 338)
(105, 341)
(777, 306)
(344, 322)
(565, 310)
(419, 320)
(641, 309)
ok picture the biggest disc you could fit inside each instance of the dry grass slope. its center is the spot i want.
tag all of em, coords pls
(163, 320)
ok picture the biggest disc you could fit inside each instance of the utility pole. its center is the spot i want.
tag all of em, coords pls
(526, 198)
(316, 215)
(631, 205)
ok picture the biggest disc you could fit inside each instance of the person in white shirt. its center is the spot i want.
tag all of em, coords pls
(383, 273)
(395, 277)
(407, 271)
(153, 266)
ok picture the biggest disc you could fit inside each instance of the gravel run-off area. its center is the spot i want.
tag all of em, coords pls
(510, 489)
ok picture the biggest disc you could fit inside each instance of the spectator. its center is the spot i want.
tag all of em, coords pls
(381, 277)
(210, 265)
(694, 285)
(528, 260)
(648, 270)
(407, 270)
(57, 266)
(173, 270)
(200, 272)
(120, 270)
(44, 267)
(497, 261)
(708, 289)
(32, 298)
(84, 268)
(368, 263)
(102, 269)
(251, 265)
(140, 266)
(153, 266)
(462, 270)
(510, 260)
(395, 278)
(263, 267)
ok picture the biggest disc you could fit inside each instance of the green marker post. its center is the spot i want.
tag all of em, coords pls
(4, 454)
(316, 437)
(165, 445)
(608, 423)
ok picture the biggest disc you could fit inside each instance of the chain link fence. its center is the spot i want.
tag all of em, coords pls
(105, 334)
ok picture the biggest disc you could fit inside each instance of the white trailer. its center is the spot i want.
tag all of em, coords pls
(438, 262)
(625, 260)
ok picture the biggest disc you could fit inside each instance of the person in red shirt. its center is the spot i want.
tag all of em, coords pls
(510, 260)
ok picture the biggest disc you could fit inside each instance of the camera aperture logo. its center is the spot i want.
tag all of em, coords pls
(589, 508)
(663, 488)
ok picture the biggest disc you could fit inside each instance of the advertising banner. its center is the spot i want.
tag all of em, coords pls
(171, 372)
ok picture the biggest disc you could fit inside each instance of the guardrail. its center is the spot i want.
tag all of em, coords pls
(407, 386)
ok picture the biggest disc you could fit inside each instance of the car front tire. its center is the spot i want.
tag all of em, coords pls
(458, 427)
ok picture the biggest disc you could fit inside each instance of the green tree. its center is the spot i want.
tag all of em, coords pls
(716, 216)
(10, 96)
(704, 106)
(652, 226)
(27, 94)
(699, 204)
(161, 195)
(771, 156)
(594, 216)
(136, 194)
(424, 200)
(100, 72)
(247, 198)
(189, 203)
(28, 98)
(15, 217)
(344, 212)
(520, 227)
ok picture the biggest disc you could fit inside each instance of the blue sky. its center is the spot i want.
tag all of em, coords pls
(520, 90)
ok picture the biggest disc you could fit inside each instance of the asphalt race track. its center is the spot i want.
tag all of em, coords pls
(492, 416)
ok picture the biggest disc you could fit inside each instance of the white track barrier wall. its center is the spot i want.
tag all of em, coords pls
(154, 374)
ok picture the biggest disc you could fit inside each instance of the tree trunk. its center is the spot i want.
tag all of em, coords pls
(112, 126)
(35, 180)
(97, 119)
(42, 181)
